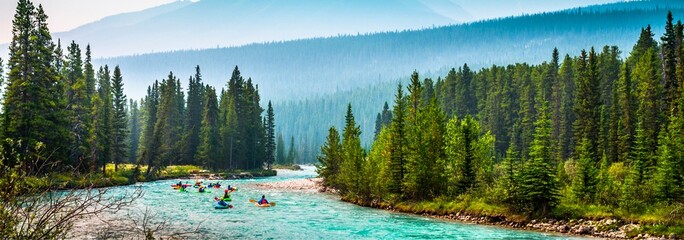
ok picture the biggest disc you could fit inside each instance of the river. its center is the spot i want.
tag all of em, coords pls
(300, 215)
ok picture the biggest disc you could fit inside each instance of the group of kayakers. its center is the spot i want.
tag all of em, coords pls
(222, 202)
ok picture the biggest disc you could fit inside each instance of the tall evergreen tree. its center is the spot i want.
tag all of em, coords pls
(33, 103)
(398, 142)
(167, 130)
(148, 149)
(78, 108)
(330, 158)
(352, 154)
(587, 103)
(134, 129)
(208, 151)
(193, 117)
(270, 136)
(102, 110)
(119, 121)
(538, 183)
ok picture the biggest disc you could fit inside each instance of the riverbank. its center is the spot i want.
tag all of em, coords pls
(477, 214)
(128, 174)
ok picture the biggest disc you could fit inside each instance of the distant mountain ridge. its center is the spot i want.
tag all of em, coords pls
(301, 68)
(211, 23)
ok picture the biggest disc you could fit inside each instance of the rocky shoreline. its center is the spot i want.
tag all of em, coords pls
(605, 228)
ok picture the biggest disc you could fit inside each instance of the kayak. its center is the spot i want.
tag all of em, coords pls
(271, 204)
(176, 185)
(223, 207)
(205, 191)
(224, 199)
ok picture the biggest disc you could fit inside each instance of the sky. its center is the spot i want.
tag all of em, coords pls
(65, 15)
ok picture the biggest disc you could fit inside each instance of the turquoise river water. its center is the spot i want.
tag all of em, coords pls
(302, 215)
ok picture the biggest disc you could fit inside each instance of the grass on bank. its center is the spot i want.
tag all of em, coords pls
(656, 220)
(125, 175)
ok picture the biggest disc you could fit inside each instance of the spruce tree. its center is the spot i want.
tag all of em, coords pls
(567, 85)
(587, 103)
(669, 51)
(119, 122)
(270, 136)
(398, 143)
(330, 159)
(102, 110)
(134, 129)
(538, 183)
(352, 155)
(193, 117)
(209, 149)
(78, 108)
(167, 131)
(33, 100)
(149, 147)
(585, 184)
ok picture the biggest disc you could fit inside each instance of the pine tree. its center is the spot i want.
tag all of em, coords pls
(134, 129)
(330, 159)
(78, 108)
(587, 103)
(33, 102)
(270, 136)
(566, 135)
(193, 117)
(167, 131)
(649, 113)
(208, 152)
(626, 122)
(585, 183)
(119, 121)
(667, 180)
(538, 183)
(398, 143)
(102, 110)
(352, 155)
(669, 51)
(148, 149)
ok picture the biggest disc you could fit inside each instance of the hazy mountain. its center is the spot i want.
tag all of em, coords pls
(303, 68)
(211, 23)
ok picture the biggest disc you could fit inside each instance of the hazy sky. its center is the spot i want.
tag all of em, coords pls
(65, 15)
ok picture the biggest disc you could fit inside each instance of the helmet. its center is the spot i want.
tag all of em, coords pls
(225, 190)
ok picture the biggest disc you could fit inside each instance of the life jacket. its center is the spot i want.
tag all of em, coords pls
(263, 201)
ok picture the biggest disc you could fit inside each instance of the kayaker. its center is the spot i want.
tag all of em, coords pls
(201, 189)
(263, 200)
(229, 188)
(226, 195)
(211, 185)
(218, 184)
(222, 203)
(180, 183)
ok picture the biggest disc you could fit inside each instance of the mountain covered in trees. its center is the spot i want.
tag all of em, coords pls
(210, 23)
(590, 129)
(61, 115)
(301, 68)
